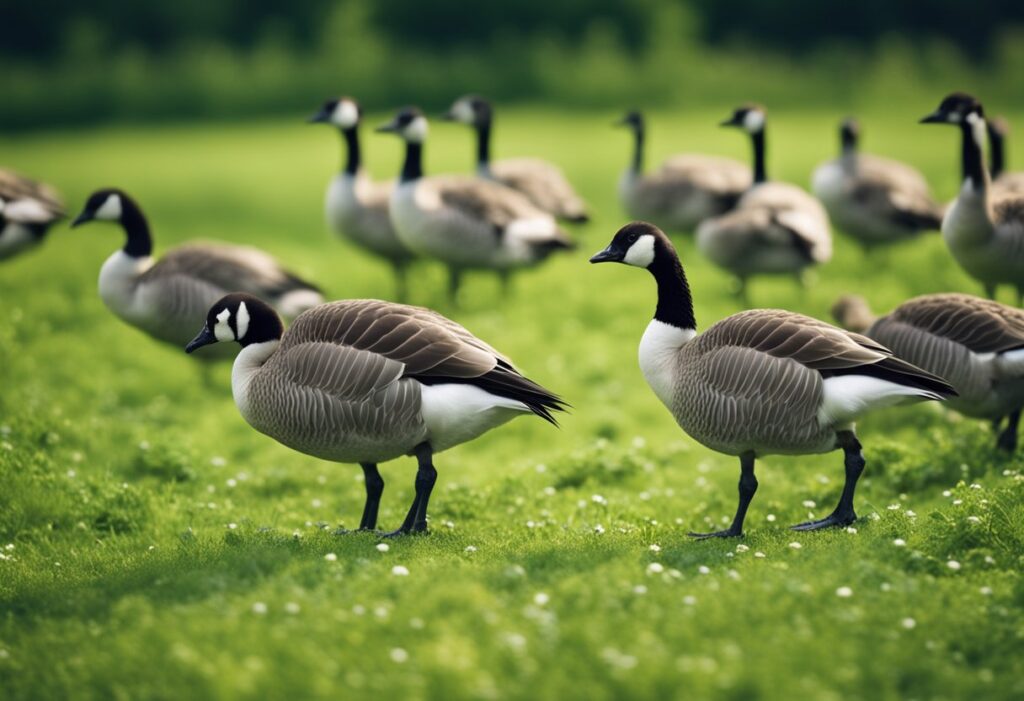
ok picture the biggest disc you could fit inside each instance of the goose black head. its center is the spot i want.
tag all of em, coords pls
(342, 112)
(238, 317)
(472, 110)
(957, 108)
(409, 123)
(108, 204)
(749, 117)
(849, 133)
(633, 119)
(637, 243)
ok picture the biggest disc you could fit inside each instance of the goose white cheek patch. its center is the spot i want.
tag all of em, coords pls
(463, 112)
(641, 253)
(977, 128)
(223, 330)
(110, 209)
(753, 121)
(346, 114)
(417, 130)
(242, 320)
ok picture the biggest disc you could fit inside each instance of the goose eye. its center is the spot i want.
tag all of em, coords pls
(632, 238)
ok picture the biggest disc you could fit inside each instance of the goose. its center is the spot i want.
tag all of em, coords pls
(998, 129)
(355, 205)
(872, 199)
(465, 222)
(167, 298)
(975, 343)
(985, 234)
(542, 182)
(687, 188)
(764, 381)
(366, 381)
(775, 228)
(27, 210)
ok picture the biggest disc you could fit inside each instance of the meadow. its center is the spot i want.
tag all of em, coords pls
(153, 546)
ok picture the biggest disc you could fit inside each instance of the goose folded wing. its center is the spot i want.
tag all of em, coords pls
(978, 324)
(486, 201)
(229, 268)
(45, 201)
(905, 206)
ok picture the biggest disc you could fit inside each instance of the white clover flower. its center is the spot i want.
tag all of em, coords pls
(470, 548)
(809, 503)
(400, 571)
(331, 557)
(704, 569)
(598, 499)
(399, 655)
(292, 608)
(851, 530)
(599, 529)
(654, 548)
(541, 598)
(690, 600)
(655, 568)
(795, 545)
(844, 592)
(770, 518)
(986, 591)
(741, 548)
(908, 623)
(218, 461)
(911, 514)
(549, 491)
(899, 542)
(639, 590)
(383, 547)
(953, 565)
(259, 608)
(759, 554)
(973, 519)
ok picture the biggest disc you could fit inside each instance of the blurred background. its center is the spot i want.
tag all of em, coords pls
(64, 62)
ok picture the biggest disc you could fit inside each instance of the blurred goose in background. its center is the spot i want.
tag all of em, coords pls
(976, 344)
(984, 230)
(466, 222)
(542, 182)
(27, 210)
(687, 188)
(874, 200)
(356, 206)
(998, 129)
(775, 228)
(765, 381)
(366, 381)
(169, 297)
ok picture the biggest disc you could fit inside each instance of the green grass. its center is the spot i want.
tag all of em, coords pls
(160, 548)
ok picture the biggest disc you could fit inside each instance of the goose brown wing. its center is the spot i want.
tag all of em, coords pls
(980, 325)
(484, 200)
(14, 187)
(230, 268)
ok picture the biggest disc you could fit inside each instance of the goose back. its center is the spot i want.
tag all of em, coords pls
(543, 183)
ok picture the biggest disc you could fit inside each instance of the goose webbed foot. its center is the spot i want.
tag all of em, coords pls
(416, 520)
(727, 533)
(854, 465)
(836, 519)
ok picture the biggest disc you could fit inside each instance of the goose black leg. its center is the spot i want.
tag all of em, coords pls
(843, 515)
(374, 488)
(401, 281)
(990, 291)
(1008, 438)
(426, 476)
(505, 278)
(748, 485)
(454, 281)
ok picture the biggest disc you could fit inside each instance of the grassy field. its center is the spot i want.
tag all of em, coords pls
(155, 547)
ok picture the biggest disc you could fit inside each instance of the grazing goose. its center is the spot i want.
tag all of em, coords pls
(542, 182)
(168, 297)
(27, 210)
(976, 344)
(466, 222)
(985, 234)
(357, 207)
(998, 129)
(775, 228)
(764, 381)
(366, 381)
(687, 189)
(872, 199)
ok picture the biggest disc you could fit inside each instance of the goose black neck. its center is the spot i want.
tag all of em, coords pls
(483, 145)
(139, 242)
(848, 144)
(675, 303)
(757, 139)
(638, 149)
(412, 169)
(971, 157)
(352, 143)
(997, 156)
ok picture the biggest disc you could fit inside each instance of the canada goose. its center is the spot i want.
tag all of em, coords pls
(775, 228)
(168, 297)
(764, 381)
(976, 344)
(356, 206)
(685, 190)
(872, 199)
(542, 182)
(463, 221)
(985, 234)
(366, 381)
(27, 210)
(998, 129)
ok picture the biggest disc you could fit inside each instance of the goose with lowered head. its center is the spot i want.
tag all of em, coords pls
(27, 211)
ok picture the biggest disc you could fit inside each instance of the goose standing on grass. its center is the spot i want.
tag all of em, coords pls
(685, 190)
(542, 182)
(976, 344)
(466, 222)
(764, 381)
(984, 233)
(356, 206)
(168, 297)
(364, 381)
(27, 210)
(1002, 181)
(872, 199)
(776, 228)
